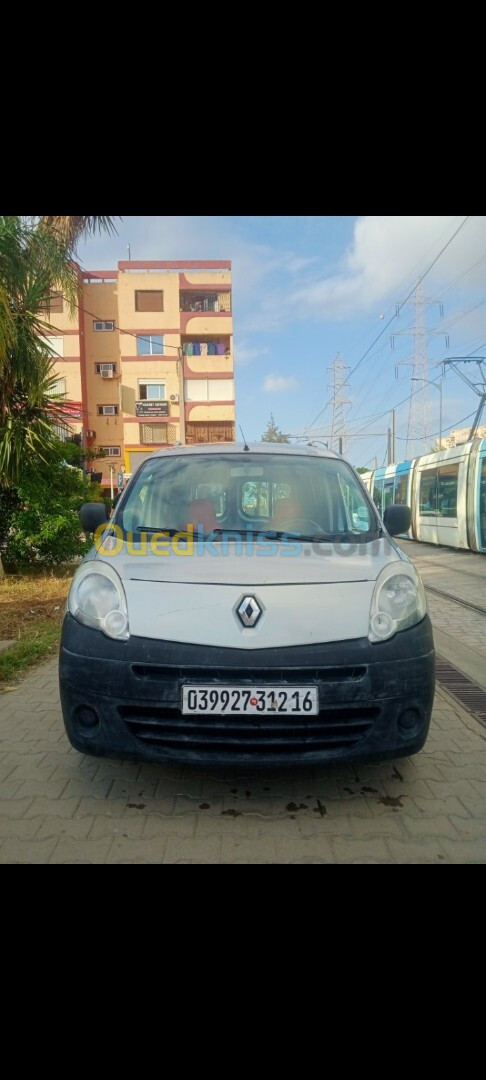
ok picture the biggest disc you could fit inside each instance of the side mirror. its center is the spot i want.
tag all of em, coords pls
(92, 515)
(396, 519)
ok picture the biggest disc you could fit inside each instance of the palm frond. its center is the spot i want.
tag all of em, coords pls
(72, 229)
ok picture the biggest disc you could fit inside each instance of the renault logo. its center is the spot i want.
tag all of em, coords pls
(249, 611)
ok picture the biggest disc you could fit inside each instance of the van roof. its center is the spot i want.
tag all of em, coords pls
(255, 448)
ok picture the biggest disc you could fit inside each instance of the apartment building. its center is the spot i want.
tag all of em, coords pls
(147, 360)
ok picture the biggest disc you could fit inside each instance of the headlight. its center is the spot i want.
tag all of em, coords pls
(97, 598)
(398, 601)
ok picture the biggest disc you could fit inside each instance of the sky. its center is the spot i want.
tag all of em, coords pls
(308, 288)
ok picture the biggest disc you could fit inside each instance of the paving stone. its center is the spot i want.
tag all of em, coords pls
(71, 850)
(124, 849)
(26, 851)
(181, 848)
(61, 827)
(57, 805)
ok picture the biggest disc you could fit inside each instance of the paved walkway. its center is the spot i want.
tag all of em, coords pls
(459, 632)
(57, 806)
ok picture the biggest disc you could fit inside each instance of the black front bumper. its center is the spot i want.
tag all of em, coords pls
(123, 699)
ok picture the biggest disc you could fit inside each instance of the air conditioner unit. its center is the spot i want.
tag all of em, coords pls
(106, 371)
(174, 397)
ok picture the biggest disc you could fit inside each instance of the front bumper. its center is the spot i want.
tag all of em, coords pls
(122, 699)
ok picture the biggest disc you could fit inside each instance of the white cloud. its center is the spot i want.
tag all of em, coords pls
(279, 382)
(244, 353)
(386, 258)
(275, 285)
(253, 264)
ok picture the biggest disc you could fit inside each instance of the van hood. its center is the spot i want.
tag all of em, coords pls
(314, 564)
(305, 599)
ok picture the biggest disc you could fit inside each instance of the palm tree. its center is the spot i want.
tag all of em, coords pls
(36, 256)
(72, 229)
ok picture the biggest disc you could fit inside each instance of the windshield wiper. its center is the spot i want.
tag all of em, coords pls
(157, 528)
(274, 534)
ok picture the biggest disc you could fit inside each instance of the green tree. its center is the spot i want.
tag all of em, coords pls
(362, 469)
(273, 433)
(44, 527)
(36, 258)
(71, 229)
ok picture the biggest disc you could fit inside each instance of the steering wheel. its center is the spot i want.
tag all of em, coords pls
(301, 523)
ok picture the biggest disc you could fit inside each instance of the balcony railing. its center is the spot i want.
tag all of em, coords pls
(201, 301)
(205, 348)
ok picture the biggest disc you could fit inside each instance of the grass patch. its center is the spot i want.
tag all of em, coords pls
(41, 641)
(31, 612)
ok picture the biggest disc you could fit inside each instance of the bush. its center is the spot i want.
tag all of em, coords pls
(44, 526)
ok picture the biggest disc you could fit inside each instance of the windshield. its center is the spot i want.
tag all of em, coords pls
(319, 498)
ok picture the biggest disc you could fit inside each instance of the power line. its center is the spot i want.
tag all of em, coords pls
(403, 438)
(129, 333)
(398, 309)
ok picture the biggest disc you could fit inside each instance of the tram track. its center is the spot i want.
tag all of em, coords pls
(455, 599)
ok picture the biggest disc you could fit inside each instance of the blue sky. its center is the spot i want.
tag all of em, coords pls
(306, 288)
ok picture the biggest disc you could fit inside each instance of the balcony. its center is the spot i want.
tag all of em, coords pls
(198, 302)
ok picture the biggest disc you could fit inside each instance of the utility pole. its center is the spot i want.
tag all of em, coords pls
(182, 406)
(476, 381)
(438, 386)
(339, 373)
(418, 420)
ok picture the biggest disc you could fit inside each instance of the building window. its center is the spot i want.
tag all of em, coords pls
(58, 387)
(154, 433)
(104, 369)
(151, 390)
(149, 300)
(150, 345)
(111, 451)
(107, 410)
(209, 390)
(55, 303)
(55, 344)
(107, 324)
(210, 432)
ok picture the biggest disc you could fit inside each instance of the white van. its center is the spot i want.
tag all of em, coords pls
(246, 605)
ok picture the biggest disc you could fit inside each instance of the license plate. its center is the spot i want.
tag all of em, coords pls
(255, 700)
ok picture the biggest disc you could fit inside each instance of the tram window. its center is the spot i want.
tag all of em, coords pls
(482, 504)
(377, 494)
(447, 491)
(388, 493)
(401, 489)
(428, 492)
